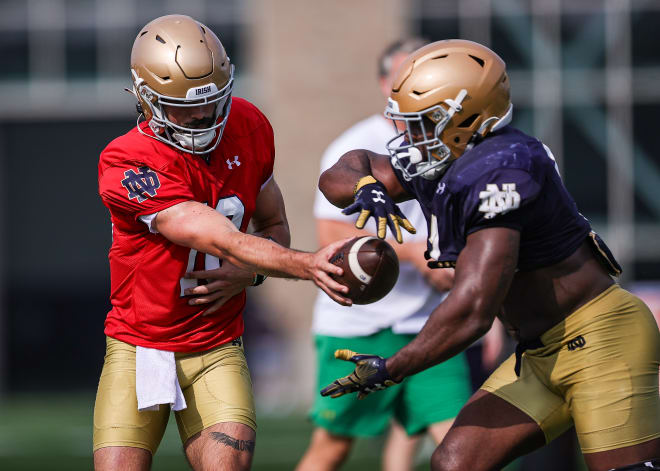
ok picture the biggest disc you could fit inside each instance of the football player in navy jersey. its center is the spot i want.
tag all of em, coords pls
(497, 211)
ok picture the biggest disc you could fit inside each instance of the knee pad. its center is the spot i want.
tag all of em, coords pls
(650, 465)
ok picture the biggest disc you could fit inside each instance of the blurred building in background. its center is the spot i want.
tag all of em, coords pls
(584, 79)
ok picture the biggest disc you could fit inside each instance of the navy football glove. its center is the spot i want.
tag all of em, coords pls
(369, 375)
(371, 199)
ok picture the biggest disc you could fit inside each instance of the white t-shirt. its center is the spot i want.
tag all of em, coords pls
(406, 308)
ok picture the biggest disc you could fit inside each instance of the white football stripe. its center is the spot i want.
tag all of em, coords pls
(353, 262)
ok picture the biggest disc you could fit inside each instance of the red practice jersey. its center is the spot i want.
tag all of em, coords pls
(138, 176)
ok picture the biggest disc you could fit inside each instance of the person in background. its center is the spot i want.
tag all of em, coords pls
(427, 402)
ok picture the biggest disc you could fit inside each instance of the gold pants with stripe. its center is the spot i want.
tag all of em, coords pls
(597, 369)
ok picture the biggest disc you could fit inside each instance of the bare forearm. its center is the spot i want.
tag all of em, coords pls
(337, 183)
(197, 226)
(484, 271)
(262, 255)
(278, 232)
(192, 224)
(441, 338)
(269, 218)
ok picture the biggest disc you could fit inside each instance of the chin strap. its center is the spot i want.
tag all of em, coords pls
(137, 82)
(413, 154)
(432, 173)
(415, 157)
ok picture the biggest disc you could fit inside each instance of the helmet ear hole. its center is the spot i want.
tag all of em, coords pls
(467, 122)
(457, 139)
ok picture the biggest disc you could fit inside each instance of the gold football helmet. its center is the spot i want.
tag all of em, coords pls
(178, 62)
(445, 96)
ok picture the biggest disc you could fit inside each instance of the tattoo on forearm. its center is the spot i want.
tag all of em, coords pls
(235, 443)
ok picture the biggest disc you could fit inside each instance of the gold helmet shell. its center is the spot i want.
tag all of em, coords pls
(177, 61)
(451, 92)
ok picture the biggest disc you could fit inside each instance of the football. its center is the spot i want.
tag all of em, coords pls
(370, 266)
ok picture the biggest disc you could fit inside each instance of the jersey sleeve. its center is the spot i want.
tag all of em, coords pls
(503, 197)
(135, 189)
(269, 148)
(263, 138)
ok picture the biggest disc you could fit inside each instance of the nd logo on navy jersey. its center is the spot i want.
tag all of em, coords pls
(494, 201)
(139, 185)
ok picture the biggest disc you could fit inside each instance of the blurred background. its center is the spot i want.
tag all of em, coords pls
(584, 78)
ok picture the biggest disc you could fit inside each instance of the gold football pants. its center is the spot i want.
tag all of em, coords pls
(597, 369)
(216, 384)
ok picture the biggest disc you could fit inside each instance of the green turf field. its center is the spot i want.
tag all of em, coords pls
(55, 433)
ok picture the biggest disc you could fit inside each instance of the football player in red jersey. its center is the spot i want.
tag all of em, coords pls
(181, 188)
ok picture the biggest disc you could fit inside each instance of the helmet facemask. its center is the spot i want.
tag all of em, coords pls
(192, 140)
(406, 154)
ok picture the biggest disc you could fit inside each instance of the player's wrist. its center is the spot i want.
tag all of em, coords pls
(366, 180)
(391, 370)
(305, 263)
(259, 278)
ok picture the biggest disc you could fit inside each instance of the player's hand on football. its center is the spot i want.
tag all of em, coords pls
(370, 375)
(223, 284)
(320, 271)
(371, 200)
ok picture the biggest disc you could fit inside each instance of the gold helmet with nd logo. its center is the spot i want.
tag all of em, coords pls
(178, 63)
(445, 97)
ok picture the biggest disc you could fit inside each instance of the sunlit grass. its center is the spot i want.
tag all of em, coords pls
(54, 432)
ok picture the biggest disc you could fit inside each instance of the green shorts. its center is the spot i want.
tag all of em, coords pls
(429, 397)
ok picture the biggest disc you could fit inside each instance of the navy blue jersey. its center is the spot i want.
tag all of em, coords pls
(507, 180)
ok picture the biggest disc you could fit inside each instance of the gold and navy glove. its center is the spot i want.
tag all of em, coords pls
(371, 199)
(369, 375)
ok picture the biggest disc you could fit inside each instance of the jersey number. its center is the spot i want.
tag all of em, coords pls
(233, 209)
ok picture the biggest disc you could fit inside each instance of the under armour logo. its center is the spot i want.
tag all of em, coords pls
(231, 164)
(441, 188)
(141, 184)
(379, 195)
(577, 342)
(494, 201)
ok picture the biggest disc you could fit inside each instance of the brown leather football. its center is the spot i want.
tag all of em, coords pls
(370, 266)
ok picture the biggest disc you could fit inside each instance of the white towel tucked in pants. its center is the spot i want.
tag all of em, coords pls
(156, 381)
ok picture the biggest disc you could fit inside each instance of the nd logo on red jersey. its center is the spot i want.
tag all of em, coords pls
(141, 184)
